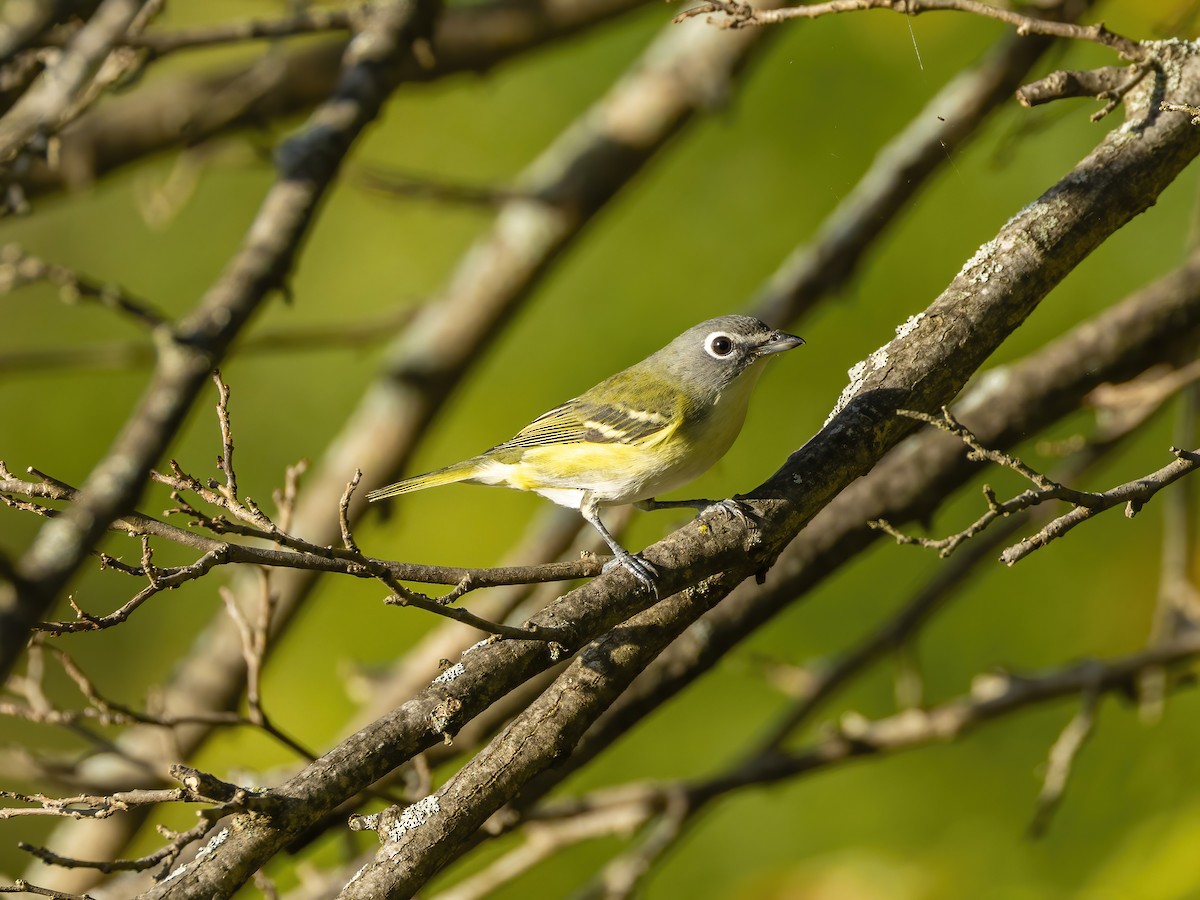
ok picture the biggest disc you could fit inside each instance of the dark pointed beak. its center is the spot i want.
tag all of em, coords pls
(778, 342)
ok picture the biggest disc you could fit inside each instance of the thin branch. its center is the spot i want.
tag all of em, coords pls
(1062, 758)
(310, 557)
(424, 187)
(18, 268)
(344, 512)
(21, 886)
(88, 806)
(992, 697)
(1133, 494)
(285, 499)
(402, 596)
(744, 15)
(166, 855)
(1108, 84)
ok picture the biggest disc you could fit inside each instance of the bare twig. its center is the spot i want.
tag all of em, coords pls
(400, 184)
(344, 512)
(21, 886)
(179, 841)
(285, 499)
(1062, 757)
(1192, 111)
(18, 268)
(1063, 84)
(292, 552)
(85, 806)
(1133, 494)
(1110, 84)
(744, 15)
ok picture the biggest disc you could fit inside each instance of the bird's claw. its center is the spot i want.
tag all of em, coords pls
(738, 509)
(638, 568)
(735, 509)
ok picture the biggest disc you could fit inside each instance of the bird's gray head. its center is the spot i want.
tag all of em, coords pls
(712, 355)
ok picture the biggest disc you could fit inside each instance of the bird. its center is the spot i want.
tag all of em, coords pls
(647, 430)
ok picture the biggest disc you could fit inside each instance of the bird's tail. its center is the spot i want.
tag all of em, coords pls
(463, 471)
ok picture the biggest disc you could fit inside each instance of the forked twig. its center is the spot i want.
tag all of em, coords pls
(1133, 494)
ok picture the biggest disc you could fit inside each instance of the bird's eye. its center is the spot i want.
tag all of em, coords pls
(719, 345)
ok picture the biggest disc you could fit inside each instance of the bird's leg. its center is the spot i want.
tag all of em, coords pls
(639, 568)
(732, 506)
(651, 504)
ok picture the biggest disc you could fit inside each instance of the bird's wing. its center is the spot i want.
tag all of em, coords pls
(582, 420)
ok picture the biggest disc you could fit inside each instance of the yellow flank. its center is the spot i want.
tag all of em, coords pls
(611, 471)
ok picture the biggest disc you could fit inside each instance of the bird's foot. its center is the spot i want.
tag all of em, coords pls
(737, 509)
(638, 568)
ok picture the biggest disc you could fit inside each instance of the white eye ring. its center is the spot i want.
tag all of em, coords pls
(719, 345)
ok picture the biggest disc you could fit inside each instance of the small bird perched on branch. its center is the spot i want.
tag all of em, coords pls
(647, 430)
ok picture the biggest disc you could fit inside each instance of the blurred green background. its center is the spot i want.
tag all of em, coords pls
(693, 236)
